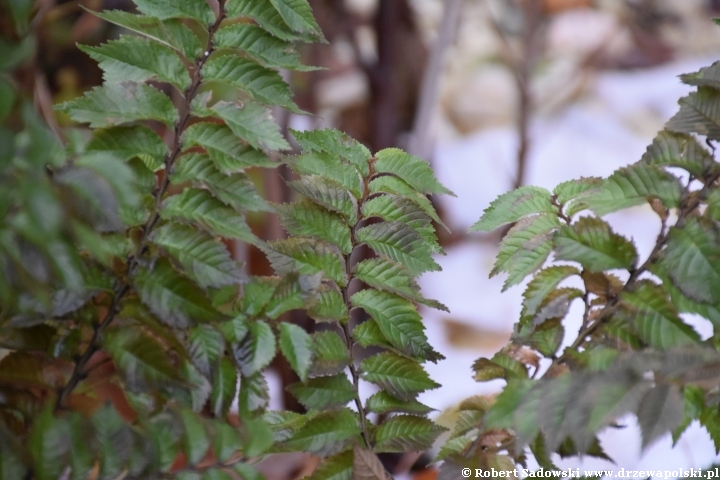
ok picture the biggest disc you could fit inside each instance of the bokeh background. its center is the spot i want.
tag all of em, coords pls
(494, 94)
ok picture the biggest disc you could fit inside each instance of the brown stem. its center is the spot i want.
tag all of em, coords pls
(124, 286)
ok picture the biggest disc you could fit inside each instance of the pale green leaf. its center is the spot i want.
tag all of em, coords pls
(330, 354)
(204, 258)
(401, 377)
(206, 345)
(368, 334)
(254, 394)
(228, 153)
(399, 322)
(325, 434)
(293, 292)
(329, 305)
(512, 206)
(306, 256)
(297, 347)
(253, 123)
(540, 287)
(226, 440)
(384, 403)
(299, 17)
(680, 150)
(415, 171)
(307, 219)
(396, 186)
(173, 298)
(269, 17)
(336, 144)
(329, 166)
(119, 103)
(592, 243)
(576, 189)
(256, 350)
(324, 393)
(195, 439)
(397, 241)
(406, 433)
(133, 58)
(126, 142)
(329, 194)
(224, 388)
(164, 9)
(699, 113)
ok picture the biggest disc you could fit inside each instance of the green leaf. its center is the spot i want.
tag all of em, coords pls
(265, 13)
(257, 294)
(396, 186)
(226, 440)
(592, 243)
(384, 403)
(251, 122)
(141, 359)
(576, 189)
(234, 190)
(330, 354)
(397, 241)
(118, 103)
(707, 76)
(195, 440)
(114, 439)
(200, 207)
(296, 345)
(256, 350)
(710, 419)
(415, 171)
(307, 219)
(337, 467)
(401, 377)
(329, 194)
(399, 322)
(692, 258)
(368, 334)
(337, 144)
(299, 17)
(262, 84)
(172, 33)
(206, 345)
(453, 447)
(128, 141)
(325, 434)
(172, 297)
(540, 287)
(699, 113)
(224, 388)
(293, 292)
(82, 458)
(406, 433)
(329, 305)
(680, 150)
(254, 394)
(396, 208)
(7, 98)
(247, 472)
(546, 337)
(660, 411)
(392, 277)
(693, 403)
(327, 165)
(324, 393)
(512, 206)
(306, 256)
(164, 9)
(48, 445)
(257, 435)
(655, 317)
(228, 153)
(525, 248)
(203, 257)
(132, 58)
(260, 46)
(634, 185)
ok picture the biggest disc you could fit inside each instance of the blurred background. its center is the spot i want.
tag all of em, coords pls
(494, 94)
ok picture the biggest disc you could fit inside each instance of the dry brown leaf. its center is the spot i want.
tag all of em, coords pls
(367, 465)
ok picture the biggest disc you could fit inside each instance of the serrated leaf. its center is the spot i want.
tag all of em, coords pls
(337, 467)
(132, 58)
(680, 150)
(126, 142)
(710, 419)
(367, 465)
(206, 345)
(296, 345)
(260, 45)
(172, 33)
(262, 84)
(327, 165)
(540, 287)
(660, 411)
(396, 186)
(634, 185)
(172, 297)
(389, 276)
(368, 334)
(269, 17)
(118, 103)
(705, 77)
(693, 403)
(226, 440)
(258, 293)
(547, 337)
(512, 206)
(256, 350)
(227, 152)
(699, 113)
(299, 17)
(406, 433)
(254, 394)
(203, 257)
(305, 218)
(525, 248)
(453, 447)
(415, 171)
(324, 393)
(501, 365)
(224, 388)
(329, 194)
(200, 207)
(306, 256)
(329, 306)
(401, 377)
(655, 317)
(384, 403)
(48, 445)
(397, 241)
(399, 322)
(592, 243)
(330, 354)
(337, 144)
(574, 189)
(293, 292)
(164, 9)
(234, 190)
(251, 122)
(141, 360)
(325, 434)
(195, 439)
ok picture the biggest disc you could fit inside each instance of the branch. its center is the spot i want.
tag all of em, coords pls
(124, 286)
